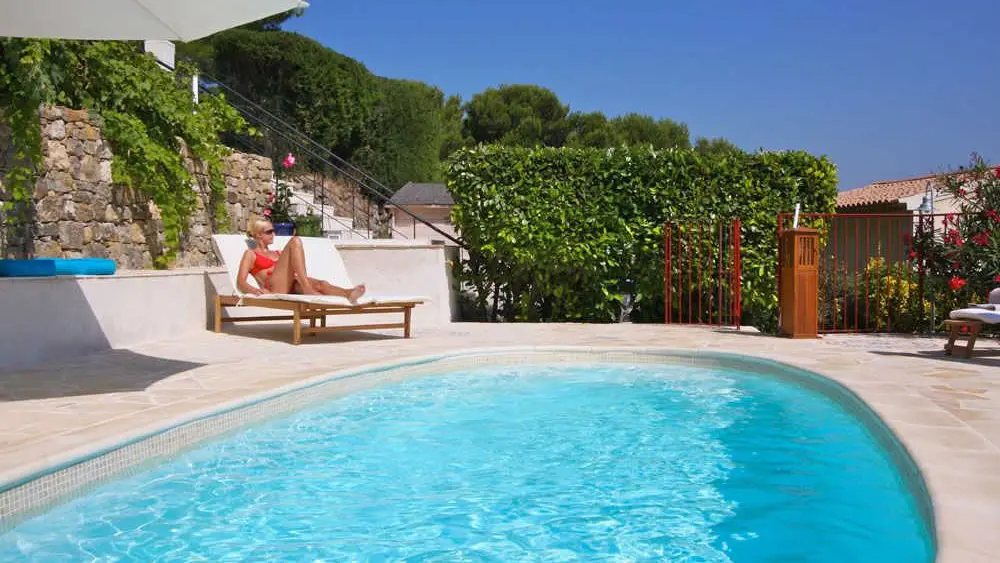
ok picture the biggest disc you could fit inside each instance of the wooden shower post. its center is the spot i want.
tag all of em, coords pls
(798, 296)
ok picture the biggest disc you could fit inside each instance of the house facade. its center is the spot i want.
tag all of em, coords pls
(877, 219)
(428, 202)
(896, 196)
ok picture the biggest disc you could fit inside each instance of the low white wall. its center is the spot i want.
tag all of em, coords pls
(58, 318)
(406, 267)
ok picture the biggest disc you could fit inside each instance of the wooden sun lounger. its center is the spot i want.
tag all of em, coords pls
(967, 323)
(324, 262)
(316, 313)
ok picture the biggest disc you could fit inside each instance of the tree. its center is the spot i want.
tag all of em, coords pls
(591, 130)
(273, 23)
(331, 98)
(636, 129)
(397, 130)
(518, 115)
(718, 145)
(451, 127)
(405, 136)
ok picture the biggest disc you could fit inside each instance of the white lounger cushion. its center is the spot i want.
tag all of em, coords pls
(322, 262)
(976, 314)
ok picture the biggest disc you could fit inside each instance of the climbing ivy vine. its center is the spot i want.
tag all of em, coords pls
(146, 113)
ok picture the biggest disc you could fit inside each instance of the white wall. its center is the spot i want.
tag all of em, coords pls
(943, 203)
(406, 226)
(407, 267)
(58, 318)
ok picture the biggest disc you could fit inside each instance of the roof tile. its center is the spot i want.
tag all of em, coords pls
(885, 191)
(422, 194)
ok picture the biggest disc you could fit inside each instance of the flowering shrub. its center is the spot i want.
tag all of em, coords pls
(894, 299)
(967, 257)
(279, 205)
(279, 202)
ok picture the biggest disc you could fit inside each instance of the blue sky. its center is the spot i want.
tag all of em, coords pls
(885, 88)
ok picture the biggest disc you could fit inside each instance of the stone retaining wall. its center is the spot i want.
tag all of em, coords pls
(79, 212)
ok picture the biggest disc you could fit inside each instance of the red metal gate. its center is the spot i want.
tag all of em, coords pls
(701, 273)
(871, 273)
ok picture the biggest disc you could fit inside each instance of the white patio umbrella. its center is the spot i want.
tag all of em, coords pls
(172, 20)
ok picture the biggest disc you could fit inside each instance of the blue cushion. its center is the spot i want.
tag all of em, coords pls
(57, 267)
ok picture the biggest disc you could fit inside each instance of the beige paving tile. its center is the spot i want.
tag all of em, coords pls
(958, 464)
(921, 415)
(978, 492)
(970, 413)
(977, 536)
(990, 429)
(959, 555)
(954, 439)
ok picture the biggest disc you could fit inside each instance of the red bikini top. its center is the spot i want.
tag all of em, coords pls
(262, 262)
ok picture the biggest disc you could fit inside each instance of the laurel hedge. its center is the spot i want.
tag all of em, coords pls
(562, 234)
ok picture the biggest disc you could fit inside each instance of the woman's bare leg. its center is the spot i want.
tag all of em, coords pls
(352, 294)
(291, 268)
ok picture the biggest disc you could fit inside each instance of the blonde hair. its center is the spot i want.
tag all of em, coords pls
(256, 225)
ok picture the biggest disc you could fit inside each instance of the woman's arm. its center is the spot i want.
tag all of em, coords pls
(241, 276)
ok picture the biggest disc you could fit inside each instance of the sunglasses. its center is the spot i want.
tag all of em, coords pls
(269, 232)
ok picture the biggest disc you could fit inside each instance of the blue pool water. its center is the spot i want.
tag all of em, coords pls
(610, 463)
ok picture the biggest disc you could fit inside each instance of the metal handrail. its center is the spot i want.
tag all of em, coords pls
(312, 148)
(311, 152)
(367, 215)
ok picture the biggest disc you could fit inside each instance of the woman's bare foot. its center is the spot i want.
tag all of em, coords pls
(356, 293)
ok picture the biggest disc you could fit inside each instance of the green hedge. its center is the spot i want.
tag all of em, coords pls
(561, 234)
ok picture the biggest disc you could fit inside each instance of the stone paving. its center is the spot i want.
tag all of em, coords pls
(946, 410)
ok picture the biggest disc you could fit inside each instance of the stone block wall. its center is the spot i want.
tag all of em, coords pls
(249, 179)
(79, 212)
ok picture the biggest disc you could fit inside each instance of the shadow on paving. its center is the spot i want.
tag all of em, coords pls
(989, 357)
(746, 331)
(282, 332)
(111, 371)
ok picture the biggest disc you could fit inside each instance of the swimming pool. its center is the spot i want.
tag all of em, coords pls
(517, 463)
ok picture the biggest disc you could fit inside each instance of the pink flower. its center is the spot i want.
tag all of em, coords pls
(289, 161)
(997, 279)
(996, 171)
(962, 192)
(267, 212)
(270, 198)
(956, 283)
(913, 254)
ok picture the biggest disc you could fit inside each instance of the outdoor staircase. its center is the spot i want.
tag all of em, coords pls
(334, 226)
(280, 137)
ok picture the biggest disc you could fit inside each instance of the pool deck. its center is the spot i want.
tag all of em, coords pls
(946, 410)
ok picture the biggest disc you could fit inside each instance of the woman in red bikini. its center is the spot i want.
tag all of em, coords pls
(283, 271)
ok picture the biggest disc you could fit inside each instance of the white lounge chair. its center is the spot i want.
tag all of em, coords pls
(322, 262)
(971, 320)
